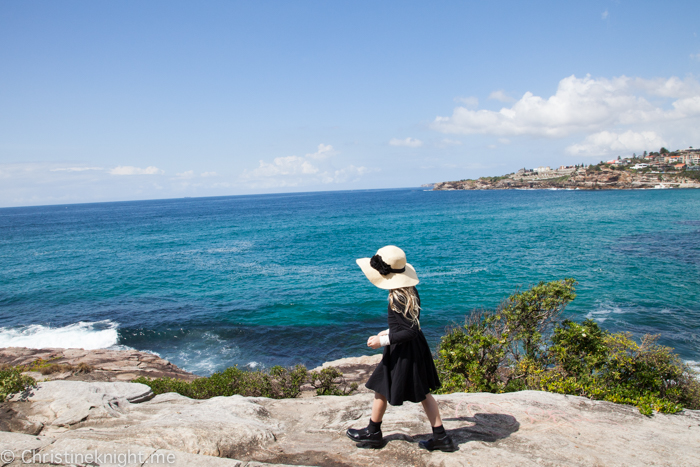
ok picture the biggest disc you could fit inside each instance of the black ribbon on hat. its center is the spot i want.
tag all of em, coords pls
(378, 263)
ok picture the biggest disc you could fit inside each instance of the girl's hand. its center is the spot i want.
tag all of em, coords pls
(373, 342)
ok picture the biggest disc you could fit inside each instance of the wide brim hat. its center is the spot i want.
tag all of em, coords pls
(388, 269)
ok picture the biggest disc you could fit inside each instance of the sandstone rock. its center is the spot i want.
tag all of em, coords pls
(14, 421)
(524, 428)
(65, 403)
(15, 444)
(107, 365)
(42, 451)
(221, 426)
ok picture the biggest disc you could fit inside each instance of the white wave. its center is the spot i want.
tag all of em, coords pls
(82, 335)
(205, 354)
(601, 314)
(454, 272)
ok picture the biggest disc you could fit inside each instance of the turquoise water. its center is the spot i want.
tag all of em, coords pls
(261, 280)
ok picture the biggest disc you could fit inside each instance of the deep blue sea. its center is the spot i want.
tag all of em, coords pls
(262, 280)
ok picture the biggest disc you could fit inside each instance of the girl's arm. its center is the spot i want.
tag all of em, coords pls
(384, 338)
(402, 330)
(402, 335)
(379, 340)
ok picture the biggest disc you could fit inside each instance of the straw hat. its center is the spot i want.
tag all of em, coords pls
(388, 269)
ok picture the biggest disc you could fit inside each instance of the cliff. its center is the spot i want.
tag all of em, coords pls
(580, 178)
(526, 428)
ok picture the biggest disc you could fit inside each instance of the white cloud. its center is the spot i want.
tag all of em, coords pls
(208, 174)
(504, 140)
(672, 87)
(581, 105)
(131, 170)
(312, 169)
(408, 142)
(187, 174)
(470, 102)
(605, 143)
(324, 151)
(288, 165)
(349, 173)
(695, 56)
(501, 96)
(75, 169)
(604, 15)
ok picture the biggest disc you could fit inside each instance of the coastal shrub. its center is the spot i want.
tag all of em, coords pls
(330, 382)
(277, 383)
(613, 367)
(50, 366)
(495, 178)
(524, 345)
(482, 354)
(12, 381)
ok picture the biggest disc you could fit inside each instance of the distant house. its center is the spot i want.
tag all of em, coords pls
(674, 159)
(542, 169)
(679, 166)
(639, 166)
(690, 156)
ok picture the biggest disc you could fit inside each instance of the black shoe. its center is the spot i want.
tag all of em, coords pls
(364, 436)
(443, 444)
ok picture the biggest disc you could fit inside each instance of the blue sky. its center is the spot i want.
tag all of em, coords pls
(106, 101)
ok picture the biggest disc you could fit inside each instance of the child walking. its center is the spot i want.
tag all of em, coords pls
(407, 371)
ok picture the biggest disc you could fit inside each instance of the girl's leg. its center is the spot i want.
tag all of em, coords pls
(379, 407)
(431, 408)
(440, 440)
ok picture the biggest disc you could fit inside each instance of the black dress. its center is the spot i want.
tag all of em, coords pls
(407, 371)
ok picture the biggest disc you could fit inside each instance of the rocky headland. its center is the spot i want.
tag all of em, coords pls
(607, 178)
(100, 413)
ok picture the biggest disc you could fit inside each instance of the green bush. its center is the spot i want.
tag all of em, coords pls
(484, 353)
(278, 383)
(524, 345)
(330, 382)
(12, 380)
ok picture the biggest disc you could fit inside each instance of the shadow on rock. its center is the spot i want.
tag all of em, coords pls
(14, 421)
(488, 427)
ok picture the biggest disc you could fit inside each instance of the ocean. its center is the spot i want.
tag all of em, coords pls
(264, 280)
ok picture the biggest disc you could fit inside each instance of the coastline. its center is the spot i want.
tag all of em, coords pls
(606, 178)
(106, 365)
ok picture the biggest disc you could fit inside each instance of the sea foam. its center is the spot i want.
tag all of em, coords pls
(83, 335)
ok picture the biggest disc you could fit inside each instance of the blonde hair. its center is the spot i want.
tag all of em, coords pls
(405, 301)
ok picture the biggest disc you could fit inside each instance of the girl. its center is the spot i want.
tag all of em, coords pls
(407, 371)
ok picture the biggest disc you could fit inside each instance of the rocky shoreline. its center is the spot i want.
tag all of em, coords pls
(106, 415)
(579, 179)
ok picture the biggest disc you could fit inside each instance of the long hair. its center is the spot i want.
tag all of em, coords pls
(405, 301)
